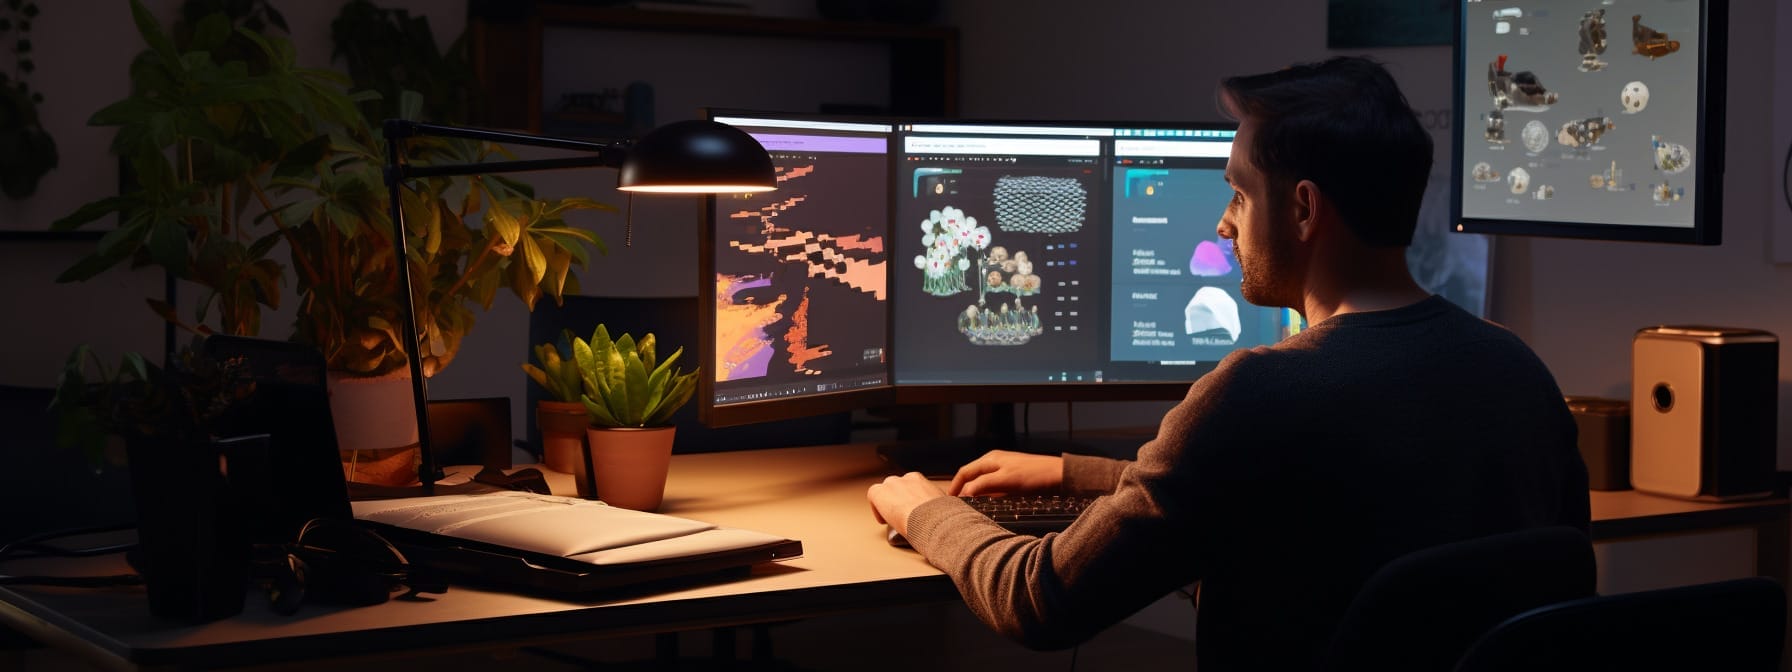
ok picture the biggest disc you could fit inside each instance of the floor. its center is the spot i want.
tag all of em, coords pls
(937, 637)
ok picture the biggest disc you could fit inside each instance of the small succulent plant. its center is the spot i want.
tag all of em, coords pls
(624, 384)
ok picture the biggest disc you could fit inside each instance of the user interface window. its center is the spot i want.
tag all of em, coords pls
(1175, 294)
(1064, 254)
(800, 272)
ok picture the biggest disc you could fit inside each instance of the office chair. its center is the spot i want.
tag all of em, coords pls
(57, 486)
(1422, 610)
(471, 431)
(1737, 626)
(673, 322)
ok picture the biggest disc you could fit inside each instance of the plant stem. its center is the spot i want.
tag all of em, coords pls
(291, 239)
(483, 254)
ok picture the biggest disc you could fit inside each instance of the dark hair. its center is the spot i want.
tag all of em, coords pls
(1343, 124)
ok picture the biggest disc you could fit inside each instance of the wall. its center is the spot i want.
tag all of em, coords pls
(1577, 303)
(84, 48)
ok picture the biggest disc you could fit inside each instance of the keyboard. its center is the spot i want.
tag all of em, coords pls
(1032, 514)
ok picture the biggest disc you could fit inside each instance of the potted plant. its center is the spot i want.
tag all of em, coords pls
(234, 149)
(562, 418)
(192, 550)
(629, 396)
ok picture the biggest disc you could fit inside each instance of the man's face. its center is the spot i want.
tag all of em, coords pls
(1260, 225)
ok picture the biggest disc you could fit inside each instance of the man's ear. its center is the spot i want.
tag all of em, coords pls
(1309, 206)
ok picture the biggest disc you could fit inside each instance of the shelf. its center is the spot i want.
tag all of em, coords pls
(506, 44)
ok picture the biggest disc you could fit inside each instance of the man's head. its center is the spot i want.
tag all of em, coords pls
(1319, 144)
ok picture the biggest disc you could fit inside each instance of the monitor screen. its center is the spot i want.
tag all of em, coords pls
(970, 261)
(1045, 261)
(1590, 119)
(795, 311)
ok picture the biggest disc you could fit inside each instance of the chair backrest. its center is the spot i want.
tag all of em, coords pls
(673, 322)
(470, 431)
(1736, 626)
(45, 487)
(1422, 610)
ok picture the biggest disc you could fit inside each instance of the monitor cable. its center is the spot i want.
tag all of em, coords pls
(38, 546)
(1069, 421)
(1786, 177)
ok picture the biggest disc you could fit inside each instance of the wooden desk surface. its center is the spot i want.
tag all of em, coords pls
(815, 494)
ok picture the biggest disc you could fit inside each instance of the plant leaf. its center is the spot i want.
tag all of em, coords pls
(646, 347)
(152, 33)
(532, 256)
(681, 391)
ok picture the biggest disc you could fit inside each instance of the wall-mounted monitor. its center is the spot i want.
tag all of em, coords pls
(1598, 119)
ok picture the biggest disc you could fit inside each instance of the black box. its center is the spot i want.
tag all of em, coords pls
(1604, 440)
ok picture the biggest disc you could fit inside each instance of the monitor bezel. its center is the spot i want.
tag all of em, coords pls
(1049, 392)
(1708, 170)
(743, 413)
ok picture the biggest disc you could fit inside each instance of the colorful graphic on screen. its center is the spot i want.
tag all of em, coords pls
(800, 272)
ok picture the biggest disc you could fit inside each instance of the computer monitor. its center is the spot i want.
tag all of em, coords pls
(1591, 119)
(1064, 262)
(973, 262)
(795, 303)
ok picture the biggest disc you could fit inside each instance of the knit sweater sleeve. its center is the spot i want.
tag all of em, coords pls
(1127, 549)
(1086, 473)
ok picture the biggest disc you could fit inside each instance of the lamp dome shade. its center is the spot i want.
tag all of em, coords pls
(697, 156)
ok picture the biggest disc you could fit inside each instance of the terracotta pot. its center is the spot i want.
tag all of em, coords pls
(376, 427)
(563, 425)
(629, 465)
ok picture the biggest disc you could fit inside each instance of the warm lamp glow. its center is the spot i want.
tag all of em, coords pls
(697, 189)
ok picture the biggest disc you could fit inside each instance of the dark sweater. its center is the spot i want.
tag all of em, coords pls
(1284, 478)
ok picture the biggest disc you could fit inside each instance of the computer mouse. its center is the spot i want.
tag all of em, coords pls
(896, 539)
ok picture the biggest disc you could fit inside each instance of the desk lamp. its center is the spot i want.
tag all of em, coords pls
(685, 157)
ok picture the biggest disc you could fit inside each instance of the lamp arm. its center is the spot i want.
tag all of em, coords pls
(426, 469)
(612, 152)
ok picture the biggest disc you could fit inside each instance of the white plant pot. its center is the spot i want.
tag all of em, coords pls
(376, 427)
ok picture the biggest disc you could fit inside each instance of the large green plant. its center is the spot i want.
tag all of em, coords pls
(625, 386)
(233, 158)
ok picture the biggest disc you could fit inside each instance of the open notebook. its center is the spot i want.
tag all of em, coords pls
(561, 545)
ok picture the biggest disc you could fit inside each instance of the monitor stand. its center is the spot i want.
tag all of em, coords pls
(941, 458)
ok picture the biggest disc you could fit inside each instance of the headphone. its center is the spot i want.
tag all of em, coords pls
(336, 562)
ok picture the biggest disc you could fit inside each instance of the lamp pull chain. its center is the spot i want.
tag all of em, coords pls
(628, 222)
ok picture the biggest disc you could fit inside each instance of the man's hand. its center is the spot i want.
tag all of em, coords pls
(893, 499)
(1002, 472)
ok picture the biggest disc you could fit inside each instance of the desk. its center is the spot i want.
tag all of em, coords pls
(816, 494)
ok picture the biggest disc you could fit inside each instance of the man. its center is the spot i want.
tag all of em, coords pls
(1290, 473)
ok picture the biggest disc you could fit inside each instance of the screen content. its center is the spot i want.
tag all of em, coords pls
(1064, 254)
(800, 272)
(1582, 112)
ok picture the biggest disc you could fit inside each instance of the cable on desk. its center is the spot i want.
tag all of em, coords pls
(37, 546)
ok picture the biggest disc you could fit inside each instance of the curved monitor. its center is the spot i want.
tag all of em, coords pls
(1595, 119)
(970, 262)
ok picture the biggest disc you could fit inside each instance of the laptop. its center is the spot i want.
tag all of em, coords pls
(508, 539)
(561, 545)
